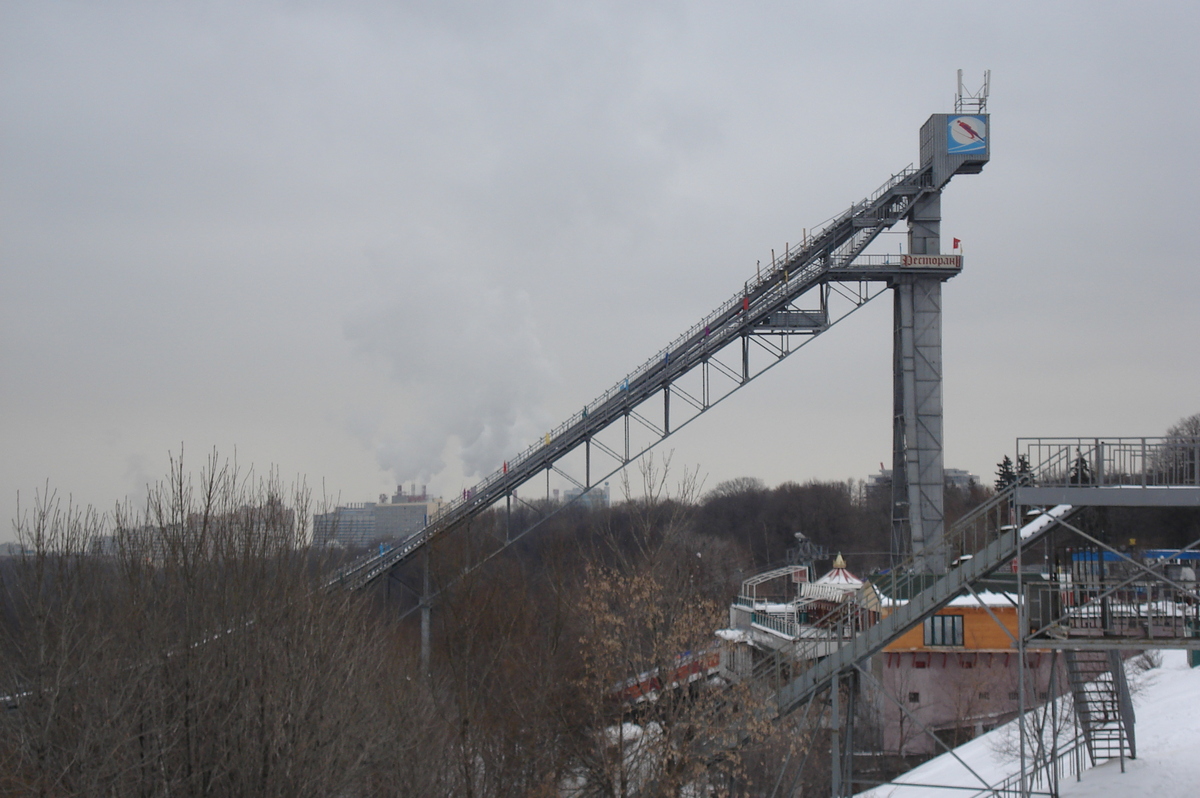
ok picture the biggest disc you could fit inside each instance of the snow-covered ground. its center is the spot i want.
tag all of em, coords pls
(1167, 709)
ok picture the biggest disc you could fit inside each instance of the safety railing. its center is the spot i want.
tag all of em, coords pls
(784, 625)
(970, 534)
(1113, 462)
(1114, 607)
(1041, 777)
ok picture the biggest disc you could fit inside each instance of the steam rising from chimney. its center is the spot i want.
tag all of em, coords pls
(468, 371)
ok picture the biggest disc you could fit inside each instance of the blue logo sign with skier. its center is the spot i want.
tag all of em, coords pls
(967, 134)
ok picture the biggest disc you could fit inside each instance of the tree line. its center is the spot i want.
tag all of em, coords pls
(188, 647)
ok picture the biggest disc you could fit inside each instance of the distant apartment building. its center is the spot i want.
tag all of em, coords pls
(365, 523)
(595, 499)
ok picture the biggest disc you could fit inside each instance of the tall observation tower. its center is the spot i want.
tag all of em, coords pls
(951, 144)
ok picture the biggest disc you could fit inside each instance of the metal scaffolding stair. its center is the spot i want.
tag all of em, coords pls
(1102, 704)
(924, 603)
(762, 309)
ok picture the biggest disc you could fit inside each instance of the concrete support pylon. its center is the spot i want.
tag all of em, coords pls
(918, 518)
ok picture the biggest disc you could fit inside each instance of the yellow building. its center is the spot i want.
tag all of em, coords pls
(956, 674)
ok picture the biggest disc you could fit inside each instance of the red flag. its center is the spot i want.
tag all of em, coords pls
(957, 243)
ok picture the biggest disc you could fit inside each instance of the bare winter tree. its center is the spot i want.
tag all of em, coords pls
(647, 623)
(1180, 455)
(499, 681)
(188, 649)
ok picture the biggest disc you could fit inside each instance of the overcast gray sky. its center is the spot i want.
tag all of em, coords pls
(371, 242)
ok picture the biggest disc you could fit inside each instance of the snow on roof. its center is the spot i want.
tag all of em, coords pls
(733, 635)
(987, 598)
(1168, 737)
(773, 607)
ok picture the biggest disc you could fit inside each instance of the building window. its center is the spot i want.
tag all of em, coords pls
(1012, 696)
(944, 630)
(984, 695)
(914, 698)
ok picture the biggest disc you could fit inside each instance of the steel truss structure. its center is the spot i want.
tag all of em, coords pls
(1086, 615)
(797, 297)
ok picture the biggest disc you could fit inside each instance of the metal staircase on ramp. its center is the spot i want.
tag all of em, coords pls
(1102, 703)
(763, 312)
(923, 603)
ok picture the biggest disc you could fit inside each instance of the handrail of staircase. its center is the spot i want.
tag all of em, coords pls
(941, 590)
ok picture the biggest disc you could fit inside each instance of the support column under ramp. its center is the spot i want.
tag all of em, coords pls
(917, 453)
(950, 144)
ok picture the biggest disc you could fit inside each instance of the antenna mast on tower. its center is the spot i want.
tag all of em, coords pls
(976, 103)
